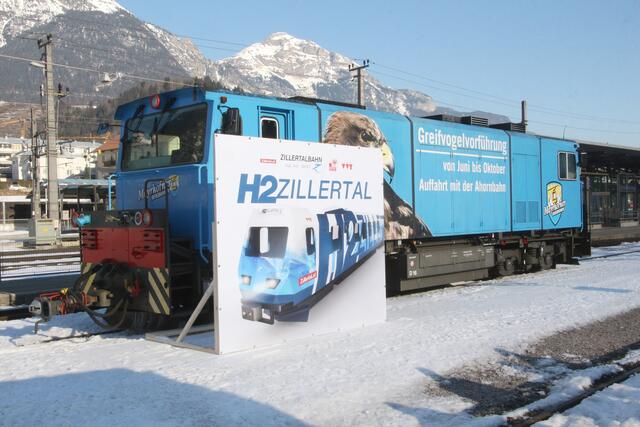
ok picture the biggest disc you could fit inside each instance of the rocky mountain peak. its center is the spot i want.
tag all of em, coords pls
(18, 16)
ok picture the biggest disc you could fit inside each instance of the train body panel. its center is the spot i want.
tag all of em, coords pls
(526, 197)
(391, 132)
(442, 179)
(560, 184)
(461, 178)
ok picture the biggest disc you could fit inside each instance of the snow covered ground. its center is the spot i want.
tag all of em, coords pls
(372, 376)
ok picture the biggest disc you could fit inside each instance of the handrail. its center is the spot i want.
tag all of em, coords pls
(109, 178)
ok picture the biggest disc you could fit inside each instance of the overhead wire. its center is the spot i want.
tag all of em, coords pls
(460, 90)
(72, 67)
(530, 106)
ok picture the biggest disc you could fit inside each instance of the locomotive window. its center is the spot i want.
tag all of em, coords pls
(269, 242)
(167, 138)
(311, 241)
(567, 166)
(269, 128)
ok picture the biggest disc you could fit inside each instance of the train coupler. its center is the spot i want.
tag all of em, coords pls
(51, 304)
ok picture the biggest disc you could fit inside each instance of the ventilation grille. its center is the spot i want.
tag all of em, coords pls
(521, 212)
(476, 121)
(527, 212)
(444, 118)
(515, 127)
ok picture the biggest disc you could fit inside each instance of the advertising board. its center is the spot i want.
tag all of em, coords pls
(299, 232)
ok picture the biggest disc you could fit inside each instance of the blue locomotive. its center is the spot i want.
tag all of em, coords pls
(292, 258)
(463, 201)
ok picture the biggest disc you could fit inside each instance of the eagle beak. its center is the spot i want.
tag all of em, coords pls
(387, 159)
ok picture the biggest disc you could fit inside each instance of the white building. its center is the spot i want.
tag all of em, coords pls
(9, 147)
(75, 158)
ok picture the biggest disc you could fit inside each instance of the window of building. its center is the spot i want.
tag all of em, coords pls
(567, 166)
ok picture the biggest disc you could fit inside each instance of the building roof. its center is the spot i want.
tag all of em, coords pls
(110, 144)
(616, 157)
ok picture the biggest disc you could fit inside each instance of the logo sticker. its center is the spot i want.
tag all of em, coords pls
(158, 189)
(307, 278)
(555, 203)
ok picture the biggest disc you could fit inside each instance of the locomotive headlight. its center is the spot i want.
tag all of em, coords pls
(272, 283)
(246, 280)
(137, 218)
(147, 217)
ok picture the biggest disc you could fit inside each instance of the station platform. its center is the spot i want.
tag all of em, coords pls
(613, 235)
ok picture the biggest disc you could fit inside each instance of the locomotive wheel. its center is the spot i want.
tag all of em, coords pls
(546, 262)
(507, 267)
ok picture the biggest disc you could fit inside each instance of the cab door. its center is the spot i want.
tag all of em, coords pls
(561, 195)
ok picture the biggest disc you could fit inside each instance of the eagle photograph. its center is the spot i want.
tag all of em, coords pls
(355, 129)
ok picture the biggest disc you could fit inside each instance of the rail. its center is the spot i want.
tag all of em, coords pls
(20, 257)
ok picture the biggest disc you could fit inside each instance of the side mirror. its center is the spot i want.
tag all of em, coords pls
(232, 122)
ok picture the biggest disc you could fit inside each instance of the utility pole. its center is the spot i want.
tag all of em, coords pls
(35, 181)
(360, 77)
(53, 193)
(523, 106)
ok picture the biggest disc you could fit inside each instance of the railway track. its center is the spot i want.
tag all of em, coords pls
(12, 313)
(86, 335)
(25, 262)
(610, 255)
(561, 407)
(21, 312)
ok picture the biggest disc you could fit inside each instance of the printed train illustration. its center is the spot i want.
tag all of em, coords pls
(292, 259)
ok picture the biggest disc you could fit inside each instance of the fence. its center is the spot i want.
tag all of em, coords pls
(20, 257)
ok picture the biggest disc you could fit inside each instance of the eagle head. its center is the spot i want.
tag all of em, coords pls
(358, 130)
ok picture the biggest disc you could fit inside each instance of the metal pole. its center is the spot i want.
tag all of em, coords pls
(360, 77)
(52, 134)
(523, 106)
(35, 181)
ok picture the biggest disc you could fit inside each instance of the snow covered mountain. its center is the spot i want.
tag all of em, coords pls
(19, 16)
(103, 36)
(92, 34)
(283, 65)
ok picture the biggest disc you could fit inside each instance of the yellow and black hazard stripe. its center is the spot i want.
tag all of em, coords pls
(158, 290)
(85, 280)
(86, 266)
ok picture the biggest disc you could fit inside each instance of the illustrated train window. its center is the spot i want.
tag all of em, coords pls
(311, 241)
(269, 128)
(567, 166)
(269, 242)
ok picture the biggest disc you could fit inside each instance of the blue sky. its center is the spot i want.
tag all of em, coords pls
(581, 58)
